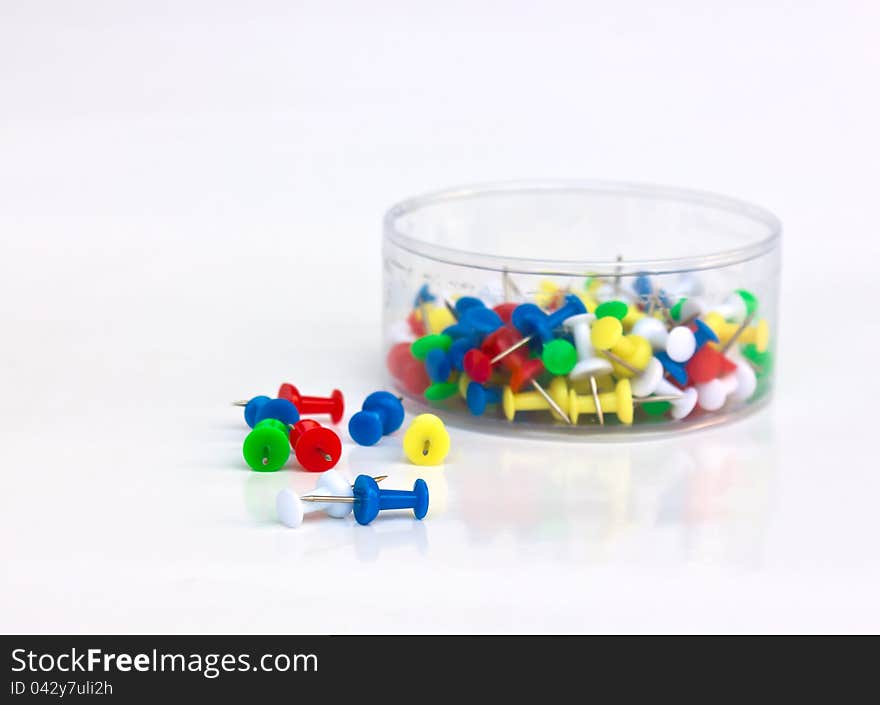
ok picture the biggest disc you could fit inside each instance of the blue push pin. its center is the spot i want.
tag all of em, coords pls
(702, 335)
(438, 365)
(423, 296)
(531, 321)
(675, 369)
(478, 397)
(381, 414)
(369, 500)
(261, 407)
(645, 290)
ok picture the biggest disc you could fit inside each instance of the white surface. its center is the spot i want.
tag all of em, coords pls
(190, 197)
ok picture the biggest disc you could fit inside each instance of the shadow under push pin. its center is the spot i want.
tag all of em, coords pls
(426, 441)
(381, 414)
(334, 405)
(291, 507)
(261, 407)
(368, 500)
(317, 447)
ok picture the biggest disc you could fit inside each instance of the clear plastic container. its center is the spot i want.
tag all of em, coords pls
(687, 267)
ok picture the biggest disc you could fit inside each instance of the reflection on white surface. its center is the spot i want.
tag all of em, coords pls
(700, 498)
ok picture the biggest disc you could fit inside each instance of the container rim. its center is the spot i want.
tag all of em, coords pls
(555, 267)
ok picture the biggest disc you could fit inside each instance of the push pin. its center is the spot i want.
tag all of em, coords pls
(738, 306)
(702, 334)
(523, 370)
(744, 333)
(317, 447)
(531, 321)
(619, 402)
(291, 507)
(651, 382)
(426, 441)
(267, 447)
(478, 397)
(334, 405)
(368, 500)
(512, 402)
(381, 414)
(262, 407)
(629, 354)
(653, 330)
(589, 365)
(409, 371)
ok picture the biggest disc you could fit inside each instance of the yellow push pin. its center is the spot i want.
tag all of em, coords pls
(438, 318)
(426, 441)
(629, 354)
(535, 401)
(619, 401)
(730, 333)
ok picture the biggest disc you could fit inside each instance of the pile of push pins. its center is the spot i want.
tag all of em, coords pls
(277, 428)
(606, 353)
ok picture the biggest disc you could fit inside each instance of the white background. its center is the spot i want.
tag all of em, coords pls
(190, 204)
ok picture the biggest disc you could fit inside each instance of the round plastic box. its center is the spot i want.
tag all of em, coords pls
(704, 266)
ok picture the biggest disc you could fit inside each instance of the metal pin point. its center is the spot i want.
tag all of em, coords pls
(623, 363)
(553, 405)
(450, 308)
(595, 390)
(737, 333)
(618, 269)
(515, 346)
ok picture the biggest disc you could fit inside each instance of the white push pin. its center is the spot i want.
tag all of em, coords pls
(688, 284)
(292, 508)
(690, 309)
(714, 393)
(589, 364)
(652, 382)
(746, 381)
(653, 330)
(735, 308)
(681, 344)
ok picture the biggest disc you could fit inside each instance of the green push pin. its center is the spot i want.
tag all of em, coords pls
(656, 408)
(761, 361)
(675, 311)
(267, 446)
(615, 309)
(559, 357)
(421, 347)
(750, 300)
(441, 390)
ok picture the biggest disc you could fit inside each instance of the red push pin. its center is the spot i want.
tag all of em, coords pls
(407, 370)
(707, 364)
(317, 448)
(523, 369)
(308, 406)
(505, 311)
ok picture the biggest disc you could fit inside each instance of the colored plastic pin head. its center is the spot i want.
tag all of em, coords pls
(381, 414)
(438, 365)
(267, 447)
(421, 347)
(317, 447)
(559, 357)
(426, 441)
(280, 409)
